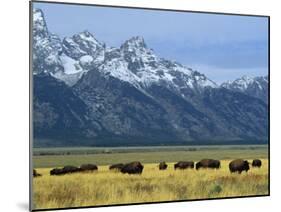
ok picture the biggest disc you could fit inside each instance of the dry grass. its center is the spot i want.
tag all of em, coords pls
(107, 187)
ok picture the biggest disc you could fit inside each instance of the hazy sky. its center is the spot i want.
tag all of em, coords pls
(223, 47)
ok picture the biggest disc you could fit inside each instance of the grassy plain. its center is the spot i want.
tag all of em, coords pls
(108, 187)
(52, 157)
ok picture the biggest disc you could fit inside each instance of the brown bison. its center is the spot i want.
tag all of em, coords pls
(208, 163)
(116, 167)
(239, 165)
(70, 169)
(163, 166)
(56, 171)
(184, 165)
(64, 170)
(132, 168)
(256, 163)
(36, 174)
(88, 167)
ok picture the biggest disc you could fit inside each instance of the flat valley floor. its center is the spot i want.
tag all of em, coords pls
(105, 187)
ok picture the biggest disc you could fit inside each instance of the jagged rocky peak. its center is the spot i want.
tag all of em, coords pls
(88, 37)
(242, 83)
(245, 80)
(136, 48)
(46, 46)
(72, 49)
(39, 24)
(237, 83)
(134, 42)
(253, 86)
(81, 44)
(138, 55)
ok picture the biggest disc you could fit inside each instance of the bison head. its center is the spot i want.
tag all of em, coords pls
(246, 165)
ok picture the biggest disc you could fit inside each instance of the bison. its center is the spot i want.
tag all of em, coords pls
(116, 167)
(70, 169)
(208, 163)
(163, 166)
(132, 168)
(239, 165)
(64, 170)
(256, 163)
(56, 171)
(36, 174)
(184, 165)
(88, 167)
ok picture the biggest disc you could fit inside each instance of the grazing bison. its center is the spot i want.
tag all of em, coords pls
(184, 165)
(70, 169)
(56, 171)
(239, 165)
(163, 166)
(132, 168)
(88, 167)
(36, 174)
(64, 170)
(256, 163)
(116, 167)
(208, 163)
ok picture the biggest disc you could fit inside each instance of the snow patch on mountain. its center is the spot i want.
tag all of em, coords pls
(70, 65)
(86, 60)
(117, 68)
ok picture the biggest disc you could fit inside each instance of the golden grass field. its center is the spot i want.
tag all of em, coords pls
(106, 187)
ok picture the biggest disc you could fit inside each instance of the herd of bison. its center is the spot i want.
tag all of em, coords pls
(136, 167)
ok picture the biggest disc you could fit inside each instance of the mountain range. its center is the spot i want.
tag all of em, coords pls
(87, 93)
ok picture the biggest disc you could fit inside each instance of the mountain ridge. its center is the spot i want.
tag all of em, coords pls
(129, 94)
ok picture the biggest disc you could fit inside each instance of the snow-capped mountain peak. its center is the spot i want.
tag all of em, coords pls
(133, 62)
(88, 37)
(134, 42)
(241, 83)
(136, 48)
(39, 24)
(253, 86)
(82, 44)
(46, 46)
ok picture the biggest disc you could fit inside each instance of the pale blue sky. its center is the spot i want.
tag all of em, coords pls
(223, 47)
